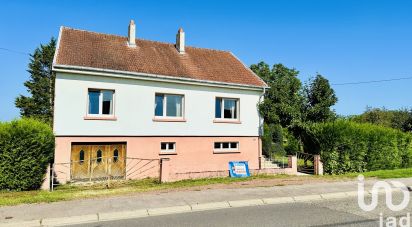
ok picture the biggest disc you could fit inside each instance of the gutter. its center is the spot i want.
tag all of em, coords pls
(261, 125)
(150, 77)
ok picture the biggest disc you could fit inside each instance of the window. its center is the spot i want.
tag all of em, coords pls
(99, 156)
(168, 105)
(168, 147)
(226, 108)
(81, 156)
(115, 155)
(100, 102)
(223, 146)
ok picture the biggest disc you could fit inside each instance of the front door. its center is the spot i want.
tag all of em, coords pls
(98, 161)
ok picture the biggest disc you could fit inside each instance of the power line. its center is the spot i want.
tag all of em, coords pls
(336, 84)
(373, 81)
(14, 51)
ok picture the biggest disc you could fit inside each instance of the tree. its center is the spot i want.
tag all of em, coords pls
(40, 85)
(282, 101)
(399, 119)
(319, 98)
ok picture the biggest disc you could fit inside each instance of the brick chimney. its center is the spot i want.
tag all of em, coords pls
(180, 41)
(131, 38)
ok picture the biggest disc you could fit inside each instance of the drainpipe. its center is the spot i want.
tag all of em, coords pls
(260, 131)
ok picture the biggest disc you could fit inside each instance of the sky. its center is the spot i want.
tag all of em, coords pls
(343, 40)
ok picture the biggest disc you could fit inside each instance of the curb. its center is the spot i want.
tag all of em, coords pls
(141, 213)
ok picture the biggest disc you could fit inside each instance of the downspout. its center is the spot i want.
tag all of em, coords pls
(260, 131)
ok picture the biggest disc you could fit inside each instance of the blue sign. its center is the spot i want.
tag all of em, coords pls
(239, 169)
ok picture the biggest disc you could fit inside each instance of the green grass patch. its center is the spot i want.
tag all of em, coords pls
(76, 191)
(73, 191)
(384, 174)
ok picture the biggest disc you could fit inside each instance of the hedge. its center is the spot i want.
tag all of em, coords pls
(26, 148)
(347, 146)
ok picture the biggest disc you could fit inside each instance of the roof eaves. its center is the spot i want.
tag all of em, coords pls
(57, 67)
(57, 46)
(265, 85)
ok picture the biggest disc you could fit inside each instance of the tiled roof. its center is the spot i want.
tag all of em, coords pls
(103, 51)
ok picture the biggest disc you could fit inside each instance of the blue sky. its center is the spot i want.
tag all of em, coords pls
(346, 41)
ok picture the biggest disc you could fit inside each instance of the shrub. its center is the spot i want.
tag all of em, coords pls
(357, 147)
(26, 148)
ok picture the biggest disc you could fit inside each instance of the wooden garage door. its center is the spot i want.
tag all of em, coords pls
(98, 161)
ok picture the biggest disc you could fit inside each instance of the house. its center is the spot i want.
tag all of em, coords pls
(123, 102)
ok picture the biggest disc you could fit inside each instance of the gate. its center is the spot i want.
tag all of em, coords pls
(104, 169)
(306, 163)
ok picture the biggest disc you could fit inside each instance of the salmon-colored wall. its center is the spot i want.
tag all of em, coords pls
(194, 156)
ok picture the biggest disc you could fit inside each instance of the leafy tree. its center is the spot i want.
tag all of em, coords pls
(272, 140)
(282, 101)
(319, 98)
(398, 119)
(40, 103)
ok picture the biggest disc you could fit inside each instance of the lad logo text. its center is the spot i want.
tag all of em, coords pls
(388, 192)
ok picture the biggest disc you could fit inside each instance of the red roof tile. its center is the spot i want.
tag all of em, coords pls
(103, 51)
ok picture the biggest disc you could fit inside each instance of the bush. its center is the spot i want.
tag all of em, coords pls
(272, 140)
(357, 147)
(26, 148)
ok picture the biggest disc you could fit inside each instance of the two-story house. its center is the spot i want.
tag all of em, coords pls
(121, 97)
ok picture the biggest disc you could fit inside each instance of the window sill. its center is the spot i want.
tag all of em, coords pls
(227, 121)
(226, 151)
(102, 118)
(156, 119)
(168, 153)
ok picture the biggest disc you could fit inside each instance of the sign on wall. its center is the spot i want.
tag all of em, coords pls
(239, 169)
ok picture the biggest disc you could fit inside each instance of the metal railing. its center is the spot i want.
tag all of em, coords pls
(305, 163)
(104, 169)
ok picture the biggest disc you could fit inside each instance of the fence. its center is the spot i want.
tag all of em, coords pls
(104, 169)
(305, 163)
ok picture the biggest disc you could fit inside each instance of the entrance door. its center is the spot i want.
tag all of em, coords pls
(98, 161)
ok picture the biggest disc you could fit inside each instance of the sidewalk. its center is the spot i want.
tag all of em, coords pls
(90, 210)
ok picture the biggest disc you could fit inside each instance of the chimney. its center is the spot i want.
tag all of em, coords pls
(131, 40)
(180, 41)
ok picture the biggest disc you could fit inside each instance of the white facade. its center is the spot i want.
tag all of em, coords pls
(134, 104)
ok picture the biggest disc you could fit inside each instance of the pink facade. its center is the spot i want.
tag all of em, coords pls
(195, 157)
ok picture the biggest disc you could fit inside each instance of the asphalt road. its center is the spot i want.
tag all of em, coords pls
(343, 212)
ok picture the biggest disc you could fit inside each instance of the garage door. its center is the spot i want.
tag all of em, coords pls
(98, 161)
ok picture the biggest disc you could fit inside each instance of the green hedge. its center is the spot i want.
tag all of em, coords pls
(355, 147)
(26, 148)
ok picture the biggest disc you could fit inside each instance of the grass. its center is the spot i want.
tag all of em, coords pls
(384, 174)
(72, 192)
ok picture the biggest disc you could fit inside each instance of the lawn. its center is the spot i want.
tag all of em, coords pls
(72, 192)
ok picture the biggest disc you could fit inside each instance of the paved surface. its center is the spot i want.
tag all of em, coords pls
(183, 201)
(337, 212)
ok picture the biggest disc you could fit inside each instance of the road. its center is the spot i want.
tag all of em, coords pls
(340, 212)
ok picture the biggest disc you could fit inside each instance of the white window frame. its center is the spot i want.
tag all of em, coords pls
(168, 150)
(100, 114)
(222, 111)
(230, 148)
(164, 115)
